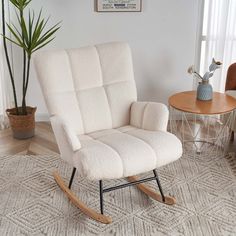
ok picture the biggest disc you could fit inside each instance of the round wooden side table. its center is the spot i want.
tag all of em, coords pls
(204, 127)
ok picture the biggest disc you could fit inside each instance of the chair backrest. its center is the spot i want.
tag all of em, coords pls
(92, 88)
(231, 78)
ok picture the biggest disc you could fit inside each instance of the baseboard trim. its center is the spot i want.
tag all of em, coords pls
(41, 117)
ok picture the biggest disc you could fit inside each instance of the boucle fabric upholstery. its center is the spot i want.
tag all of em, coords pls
(149, 115)
(99, 126)
(91, 88)
(123, 152)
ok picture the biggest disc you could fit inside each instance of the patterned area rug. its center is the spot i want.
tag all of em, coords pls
(32, 204)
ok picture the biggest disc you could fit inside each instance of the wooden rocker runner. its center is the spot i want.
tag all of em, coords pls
(99, 216)
(78, 203)
(101, 129)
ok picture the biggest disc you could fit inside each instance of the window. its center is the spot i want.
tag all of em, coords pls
(218, 38)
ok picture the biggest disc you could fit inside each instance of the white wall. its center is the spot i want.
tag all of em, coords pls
(162, 38)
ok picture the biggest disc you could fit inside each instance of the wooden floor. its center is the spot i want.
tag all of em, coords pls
(43, 143)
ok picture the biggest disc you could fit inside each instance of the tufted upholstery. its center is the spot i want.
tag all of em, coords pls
(100, 127)
(91, 88)
(128, 149)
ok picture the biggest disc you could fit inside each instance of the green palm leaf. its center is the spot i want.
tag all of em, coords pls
(20, 4)
(33, 35)
(29, 34)
(17, 37)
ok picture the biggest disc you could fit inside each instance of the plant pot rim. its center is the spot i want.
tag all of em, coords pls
(30, 109)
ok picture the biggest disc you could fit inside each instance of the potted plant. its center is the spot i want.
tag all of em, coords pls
(30, 34)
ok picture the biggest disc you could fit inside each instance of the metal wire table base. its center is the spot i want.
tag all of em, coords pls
(203, 134)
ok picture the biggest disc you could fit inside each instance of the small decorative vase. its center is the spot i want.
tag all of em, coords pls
(204, 91)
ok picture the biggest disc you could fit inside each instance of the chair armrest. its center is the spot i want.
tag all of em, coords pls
(149, 115)
(63, 131)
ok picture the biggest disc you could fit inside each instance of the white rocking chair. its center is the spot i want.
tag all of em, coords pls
(101, 129)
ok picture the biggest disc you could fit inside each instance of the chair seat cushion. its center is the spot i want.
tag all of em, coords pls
(226, 116)
(231, 93)
(126, 151)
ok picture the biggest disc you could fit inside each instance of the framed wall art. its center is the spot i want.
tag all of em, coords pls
(118, 5)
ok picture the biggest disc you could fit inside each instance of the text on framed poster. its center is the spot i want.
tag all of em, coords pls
(119, 5)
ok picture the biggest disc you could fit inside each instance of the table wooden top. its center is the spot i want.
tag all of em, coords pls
(187, 102)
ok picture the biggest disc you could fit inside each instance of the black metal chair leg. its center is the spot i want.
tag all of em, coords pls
(159, 185)
(101, 195)
(232, 136)
(72, 177)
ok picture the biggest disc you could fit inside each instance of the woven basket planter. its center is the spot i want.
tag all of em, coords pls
(22, 126)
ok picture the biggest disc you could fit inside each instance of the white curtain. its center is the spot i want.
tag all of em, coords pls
(4, 93)
(219, 38)
(5, 86)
